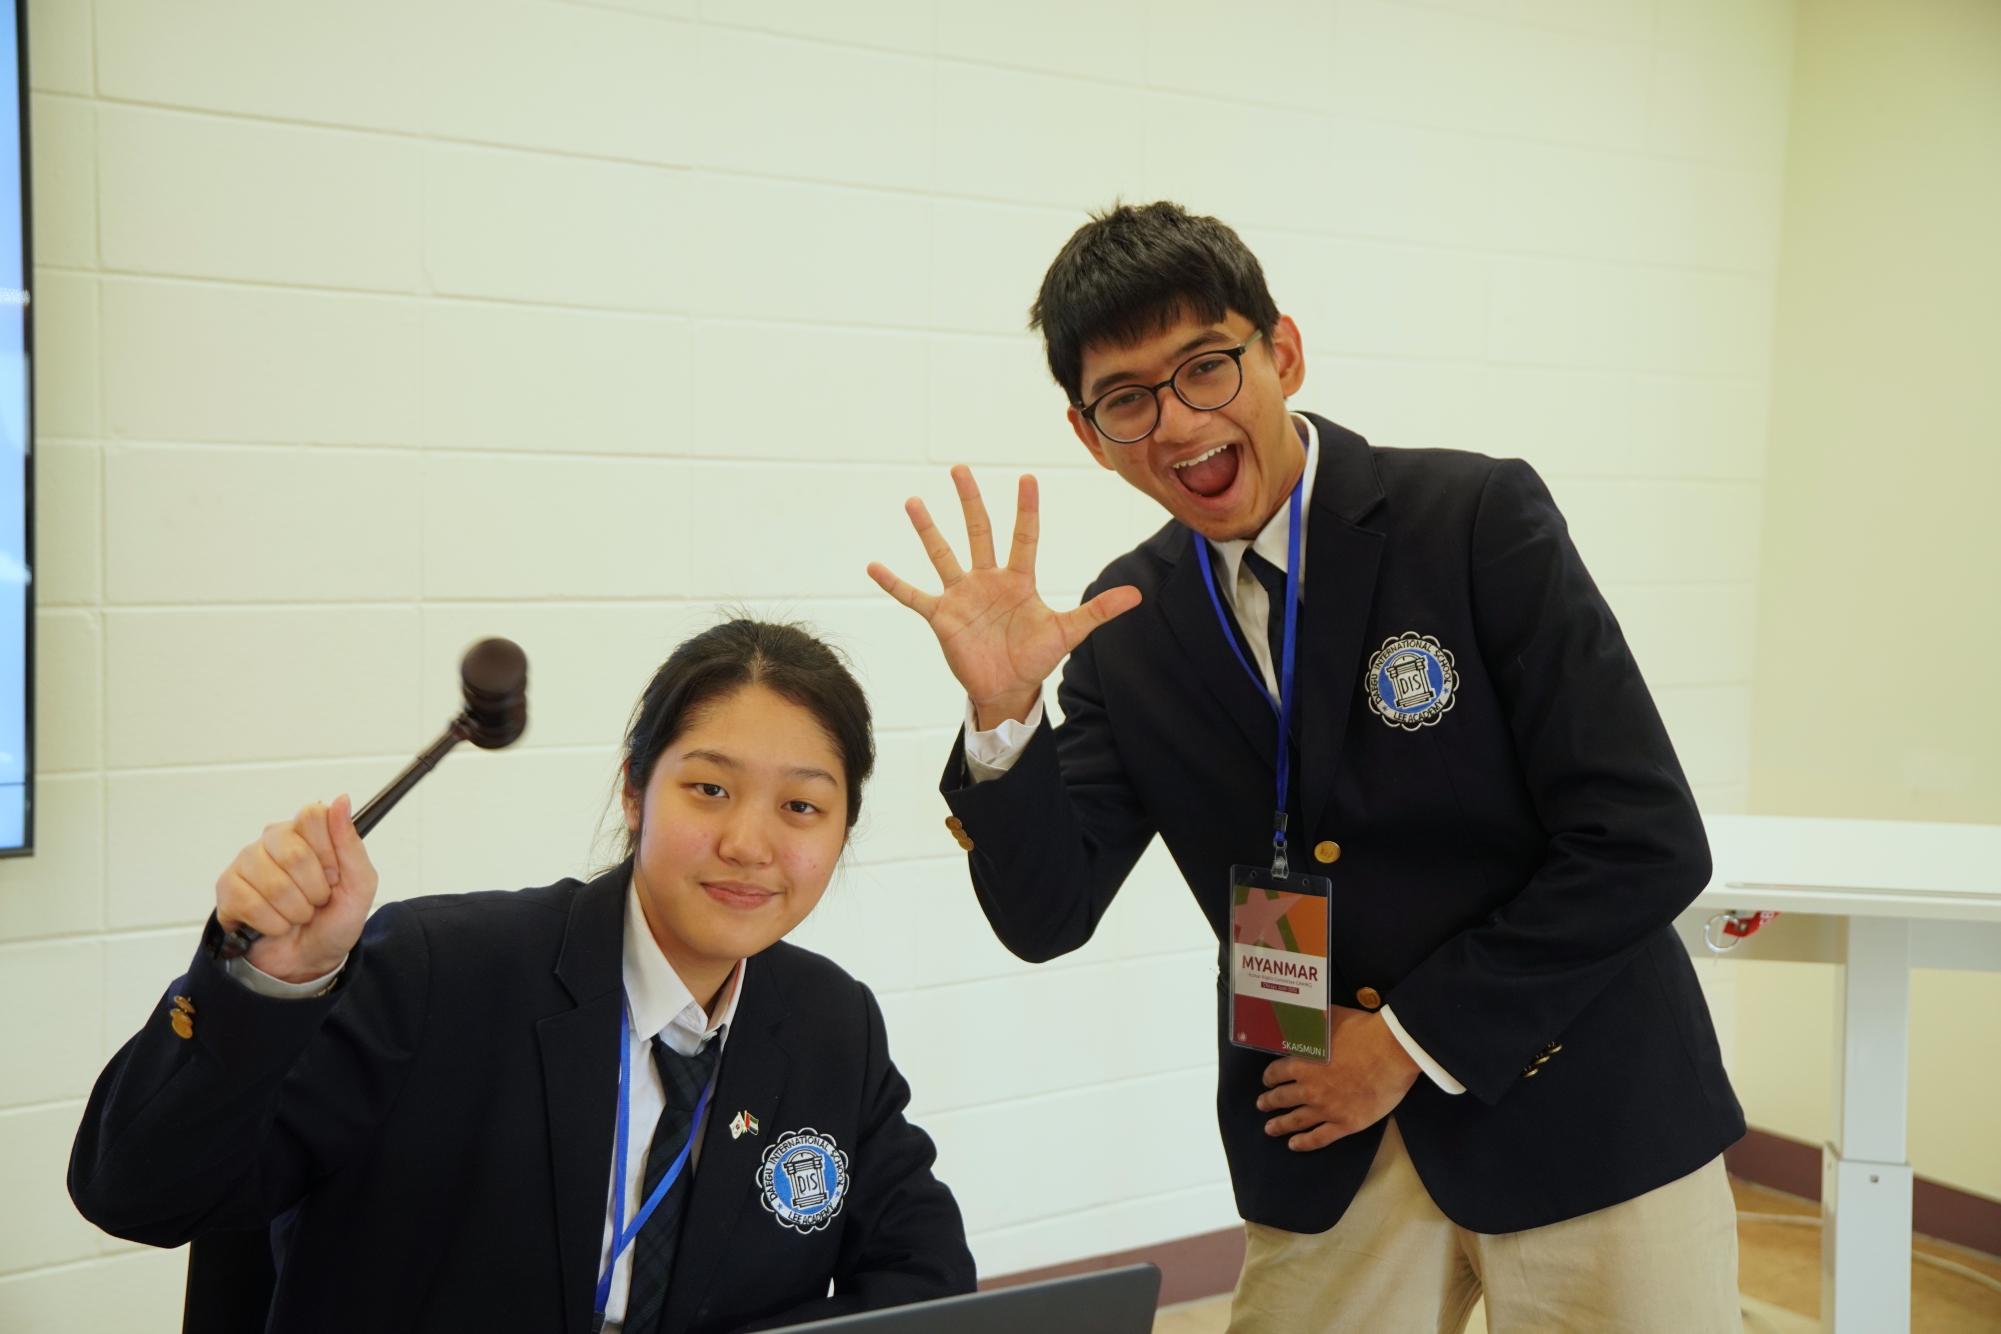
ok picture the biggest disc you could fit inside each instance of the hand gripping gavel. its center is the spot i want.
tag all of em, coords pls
(494, 676)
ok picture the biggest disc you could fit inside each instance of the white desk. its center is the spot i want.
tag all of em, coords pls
(1880, 897)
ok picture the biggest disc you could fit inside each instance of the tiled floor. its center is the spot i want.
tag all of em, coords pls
(1778, 1272)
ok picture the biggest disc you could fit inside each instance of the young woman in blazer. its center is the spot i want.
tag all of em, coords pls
(426, 1106)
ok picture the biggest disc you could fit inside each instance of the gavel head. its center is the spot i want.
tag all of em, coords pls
(495, 676)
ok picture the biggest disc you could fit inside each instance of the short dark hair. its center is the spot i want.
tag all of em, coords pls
(715, 664)
(1131, 271)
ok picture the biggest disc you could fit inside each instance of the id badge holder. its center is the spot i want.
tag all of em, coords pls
(1279, 942)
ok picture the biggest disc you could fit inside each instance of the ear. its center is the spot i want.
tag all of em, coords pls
(1288, 355)
(630, 799)
(1089, 435)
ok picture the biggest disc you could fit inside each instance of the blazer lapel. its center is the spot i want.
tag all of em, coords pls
(1342, 557)
(752, 1080)
(580, 1083)
(1211, 659)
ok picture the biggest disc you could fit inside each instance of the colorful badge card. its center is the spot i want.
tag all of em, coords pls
(1278, 962)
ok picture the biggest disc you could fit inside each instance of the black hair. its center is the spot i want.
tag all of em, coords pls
(715, 664)
(1133, 270)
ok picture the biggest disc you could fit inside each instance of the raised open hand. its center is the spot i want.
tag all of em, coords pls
(1000, 638)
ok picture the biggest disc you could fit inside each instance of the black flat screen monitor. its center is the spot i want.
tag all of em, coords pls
(1110, 1301)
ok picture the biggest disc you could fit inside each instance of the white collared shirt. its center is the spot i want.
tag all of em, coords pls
(657, 1001)
(1249, 602)
(991, 753)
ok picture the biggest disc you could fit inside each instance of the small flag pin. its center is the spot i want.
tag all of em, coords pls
(744, 1124)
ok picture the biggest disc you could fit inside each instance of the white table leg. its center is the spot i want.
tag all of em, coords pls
(1865, 1199)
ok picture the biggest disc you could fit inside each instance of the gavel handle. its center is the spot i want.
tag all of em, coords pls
(237, 942)
(378, 805)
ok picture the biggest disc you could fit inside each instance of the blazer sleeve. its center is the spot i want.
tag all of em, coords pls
(904, 1241)
(1626, 850)
(232, 1125)
(1058, 833)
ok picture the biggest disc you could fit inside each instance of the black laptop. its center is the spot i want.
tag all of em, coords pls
(1111, 1301)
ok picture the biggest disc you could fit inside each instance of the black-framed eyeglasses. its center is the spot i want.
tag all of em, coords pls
(1126, 414)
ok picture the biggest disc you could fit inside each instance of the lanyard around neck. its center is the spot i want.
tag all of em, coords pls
(1283, 708)
(622, 1236)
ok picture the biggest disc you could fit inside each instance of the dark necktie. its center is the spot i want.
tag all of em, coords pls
(1273, 580)
(684, 1078)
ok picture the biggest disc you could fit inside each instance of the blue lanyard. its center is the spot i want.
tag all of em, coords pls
(622, 1236)
(1283, 708)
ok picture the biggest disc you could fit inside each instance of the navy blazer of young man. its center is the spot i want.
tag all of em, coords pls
(1504, 875)
(443, 1124)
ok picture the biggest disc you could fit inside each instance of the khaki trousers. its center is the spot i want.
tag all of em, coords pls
(1664, 1263)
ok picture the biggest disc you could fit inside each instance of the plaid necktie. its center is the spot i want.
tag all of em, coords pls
(683, 1078)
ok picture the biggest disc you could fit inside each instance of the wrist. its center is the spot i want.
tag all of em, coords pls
(991, 713)
(294, 971)
(1393, 1051)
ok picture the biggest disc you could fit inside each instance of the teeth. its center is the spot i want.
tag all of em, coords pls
(1189, 463)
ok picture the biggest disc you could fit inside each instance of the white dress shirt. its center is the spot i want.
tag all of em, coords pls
(992, 752)
(657, 1002)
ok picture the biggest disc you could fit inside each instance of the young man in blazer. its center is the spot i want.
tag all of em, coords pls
(1524, 1096)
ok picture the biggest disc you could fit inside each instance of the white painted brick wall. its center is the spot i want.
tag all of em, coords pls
(214, 362)
(367, 330)
(248, 201)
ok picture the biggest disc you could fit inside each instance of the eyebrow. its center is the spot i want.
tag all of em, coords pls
(723, 761)
(1203, 339)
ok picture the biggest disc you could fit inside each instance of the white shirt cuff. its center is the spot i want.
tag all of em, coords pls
(1431, 1068)
(991, 753)
(256, 979)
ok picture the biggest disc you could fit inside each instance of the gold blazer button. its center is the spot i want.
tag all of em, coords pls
(1369, 998)
(1326, 851)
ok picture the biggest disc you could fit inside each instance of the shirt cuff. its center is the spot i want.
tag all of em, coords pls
(253, 978)
(991, 753)
(1431, 1068)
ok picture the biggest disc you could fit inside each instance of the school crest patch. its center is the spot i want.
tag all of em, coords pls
(803, 1179)
(1411, 681)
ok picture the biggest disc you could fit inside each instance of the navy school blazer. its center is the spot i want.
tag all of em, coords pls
(435, 1136)
(1506, 859)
